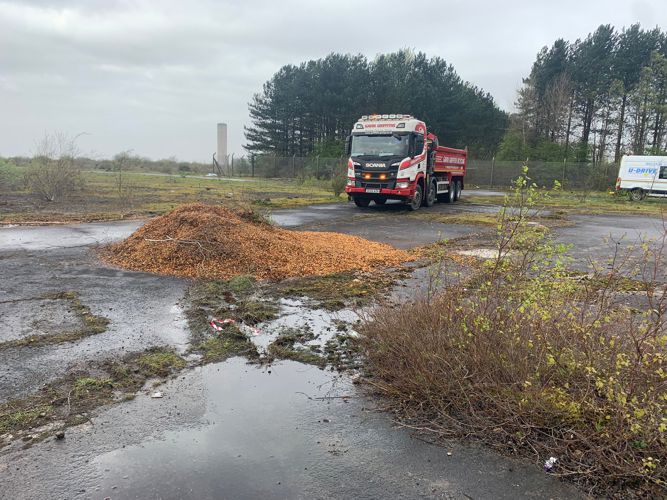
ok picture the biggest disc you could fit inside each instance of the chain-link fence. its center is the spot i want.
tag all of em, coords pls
(585, 176)
(285, 167)
(485, 173)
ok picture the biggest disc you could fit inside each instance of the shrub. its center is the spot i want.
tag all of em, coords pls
(338, 183)
(531, 359)
(53, 173)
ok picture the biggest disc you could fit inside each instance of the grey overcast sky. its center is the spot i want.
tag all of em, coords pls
(156, 76)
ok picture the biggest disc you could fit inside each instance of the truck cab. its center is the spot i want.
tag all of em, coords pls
(393, 157)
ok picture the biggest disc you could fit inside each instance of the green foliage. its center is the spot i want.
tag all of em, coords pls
(338, 183)
(329, 148)
(312, 107)
(606, 93)
(531, 358)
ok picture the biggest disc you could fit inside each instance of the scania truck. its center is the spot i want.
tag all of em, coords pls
(395, 157)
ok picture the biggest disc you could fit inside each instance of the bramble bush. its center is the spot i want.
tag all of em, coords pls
(534, 359)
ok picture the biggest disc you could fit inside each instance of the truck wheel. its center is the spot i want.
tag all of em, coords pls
(449, 196)
(380, 201)
(637, 194)
(457, 191)
(416, 201)
(431, 195)
(361, 202)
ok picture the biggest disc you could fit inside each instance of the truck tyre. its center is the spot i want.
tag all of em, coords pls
(416, 201)
(431, 194)
(361, 202)
(637, 194)
(380, 201)
(457, 190)
(449, 196)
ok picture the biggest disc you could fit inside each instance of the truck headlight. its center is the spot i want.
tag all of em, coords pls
(402, 185)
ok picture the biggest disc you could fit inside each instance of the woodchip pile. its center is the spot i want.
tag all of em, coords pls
(203, 241)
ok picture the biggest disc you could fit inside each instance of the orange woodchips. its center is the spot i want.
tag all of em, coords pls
(203, 241)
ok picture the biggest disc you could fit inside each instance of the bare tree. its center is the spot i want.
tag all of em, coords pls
(53, 173)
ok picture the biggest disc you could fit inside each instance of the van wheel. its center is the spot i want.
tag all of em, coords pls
(362, 202)
(637, 194)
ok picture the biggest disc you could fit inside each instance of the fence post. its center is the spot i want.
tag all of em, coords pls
(317, 166)
(252, 165)
(294, 166)
(564, 167)
(275, 166)
(493, 164)
(232, 164)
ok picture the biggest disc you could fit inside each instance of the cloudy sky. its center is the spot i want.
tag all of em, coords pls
(156, 76)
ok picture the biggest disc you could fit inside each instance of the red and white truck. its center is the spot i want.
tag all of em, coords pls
(394, 157)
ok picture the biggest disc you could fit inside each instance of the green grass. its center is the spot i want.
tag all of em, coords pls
(160, 363)
(12, 420)
(575, 202)
(86, 385)
(145, 194)
(335, 291)
(225, 344)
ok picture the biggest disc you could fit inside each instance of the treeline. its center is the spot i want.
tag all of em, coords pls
(593, 99)
(310, 108)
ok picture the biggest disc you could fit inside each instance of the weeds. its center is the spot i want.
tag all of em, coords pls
(291, 344)
(534, 362)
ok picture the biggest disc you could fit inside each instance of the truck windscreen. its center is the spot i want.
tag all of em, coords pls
(380, 145)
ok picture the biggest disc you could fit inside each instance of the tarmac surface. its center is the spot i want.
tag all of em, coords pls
(232, 430)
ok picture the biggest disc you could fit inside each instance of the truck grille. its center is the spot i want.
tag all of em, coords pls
(376, 185)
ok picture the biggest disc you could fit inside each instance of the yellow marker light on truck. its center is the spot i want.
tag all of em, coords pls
(367, 176)
(382, 177)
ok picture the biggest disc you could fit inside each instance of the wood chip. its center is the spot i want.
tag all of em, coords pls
(204, 241)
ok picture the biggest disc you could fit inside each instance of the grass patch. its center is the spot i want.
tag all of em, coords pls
(225, 344)
(69, 400)
(85, 385)
(574, 202)
(339, 290)
(470, 218)
(147, 195)
(286, 347)
(159, 363)
(91, 324)
(13, 417)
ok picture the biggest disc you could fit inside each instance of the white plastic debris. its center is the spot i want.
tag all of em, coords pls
(549, 464)
(157, 394)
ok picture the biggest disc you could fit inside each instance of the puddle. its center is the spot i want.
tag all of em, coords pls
(260, 433)
(294, 314)
(293, 431)
(482, 253)
(178, 333)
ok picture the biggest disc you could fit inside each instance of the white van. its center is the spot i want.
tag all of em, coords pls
(642, 176)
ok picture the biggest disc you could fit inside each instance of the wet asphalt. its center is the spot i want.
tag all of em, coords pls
(230, 430)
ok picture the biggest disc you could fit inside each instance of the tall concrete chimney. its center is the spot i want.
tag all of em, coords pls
(222, 144)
